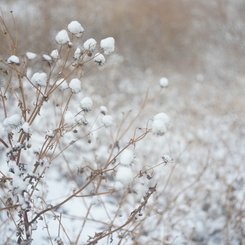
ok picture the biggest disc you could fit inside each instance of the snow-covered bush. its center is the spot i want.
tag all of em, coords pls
(69, 171)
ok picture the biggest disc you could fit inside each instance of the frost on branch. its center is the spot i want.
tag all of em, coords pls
(76, 28)
(108, 45)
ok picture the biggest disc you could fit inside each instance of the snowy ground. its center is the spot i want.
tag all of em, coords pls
(200, 191)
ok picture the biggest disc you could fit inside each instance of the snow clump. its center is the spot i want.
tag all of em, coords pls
(86, 104)
(90, 45)
(75, 85)
(160, 123)
(55, 54)
(108, 45)
(39, 79)
(103, 109)
(47, 58)
(124, 175)
(11, 123)
(13, 60)
(26, 127)
(127, 157)
(62, 83)
(69, 118)
(50, 133)
(77, 54)
(166, 158)
(62, 37)
(162, 116)
(107, 121)
(163, 82)
(30, 55)
(76, 28)
(100, 59)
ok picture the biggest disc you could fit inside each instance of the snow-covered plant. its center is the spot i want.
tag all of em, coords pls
(67, 165)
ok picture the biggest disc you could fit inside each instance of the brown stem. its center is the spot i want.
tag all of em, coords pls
(130, 219)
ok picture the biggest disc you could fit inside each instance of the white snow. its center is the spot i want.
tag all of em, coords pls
(90, 45)
(55, 54)
(13, 60)
(69, 118)
(76, 28)
(163, 82)
(80, 119)
(118, 186)
(127, 157)
(86, 104)
(103, 109)
(62, 83)
(107, 120)
(162, 116)
(75, 85)
(30, 55)
(77, 54)
(11, 123)
(160, 123)
(62, 37)
(159, 127)
(39, 79)
(124, 175)
(166, 158)
(47, 57)
(50, 133)
(99, 58)
(26, 127)
(108, 45)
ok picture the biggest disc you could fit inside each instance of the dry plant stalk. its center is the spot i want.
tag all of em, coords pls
(56, 87)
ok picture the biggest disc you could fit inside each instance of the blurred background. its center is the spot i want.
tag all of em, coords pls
(204, 39)
(198, 45)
